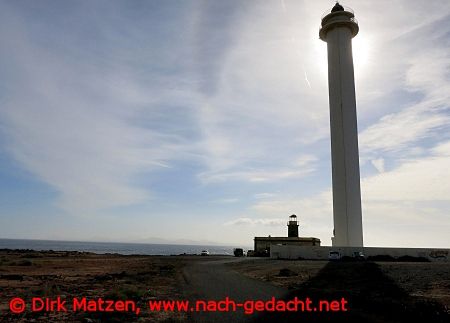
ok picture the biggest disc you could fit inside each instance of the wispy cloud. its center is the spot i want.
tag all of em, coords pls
(251, 221)
(422, 74)
(314, 212)
(378, 164)
(295, 171)
(402, 130)
(264, 195)
(420, 179)
(73, 125)
(230, 200)
(143, 104)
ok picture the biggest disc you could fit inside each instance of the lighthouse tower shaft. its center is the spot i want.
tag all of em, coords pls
(338, 29)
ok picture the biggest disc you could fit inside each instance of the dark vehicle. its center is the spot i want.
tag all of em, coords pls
(358, 255)
(238, 252)
(334, 255)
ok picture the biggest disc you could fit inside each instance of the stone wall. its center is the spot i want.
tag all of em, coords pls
(321, 253)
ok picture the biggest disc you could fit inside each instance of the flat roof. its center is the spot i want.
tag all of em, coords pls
(286, 238)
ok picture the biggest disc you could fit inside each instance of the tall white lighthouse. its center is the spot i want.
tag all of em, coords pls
(338, 28)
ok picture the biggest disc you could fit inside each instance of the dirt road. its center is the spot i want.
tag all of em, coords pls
(213, 280)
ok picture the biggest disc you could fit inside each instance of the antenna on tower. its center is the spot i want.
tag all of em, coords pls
(337, 7)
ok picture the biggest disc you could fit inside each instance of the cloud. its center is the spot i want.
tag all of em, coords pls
(314, 212)
(251, 221)
(264, 195)
(258, 120)
(257, 175)
(301, 167)
(225, 94)
(73, 124)
(421, 117)
(421, 179)
(227, 200)
(410, 199)
(378, 164)
(398, 131)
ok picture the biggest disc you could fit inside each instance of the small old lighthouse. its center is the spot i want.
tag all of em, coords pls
(338, 28)
(292, 226)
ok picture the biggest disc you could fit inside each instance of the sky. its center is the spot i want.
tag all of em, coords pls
(208, 121)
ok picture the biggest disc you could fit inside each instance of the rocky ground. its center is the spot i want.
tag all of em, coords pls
(29, 274)
(376, 291)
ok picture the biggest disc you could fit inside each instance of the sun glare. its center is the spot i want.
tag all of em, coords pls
(361, 55)
(319, 56)
(361, 49)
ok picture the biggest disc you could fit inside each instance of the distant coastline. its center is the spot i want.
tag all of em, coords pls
(114, 247)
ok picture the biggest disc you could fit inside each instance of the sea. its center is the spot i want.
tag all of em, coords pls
(114, 247)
